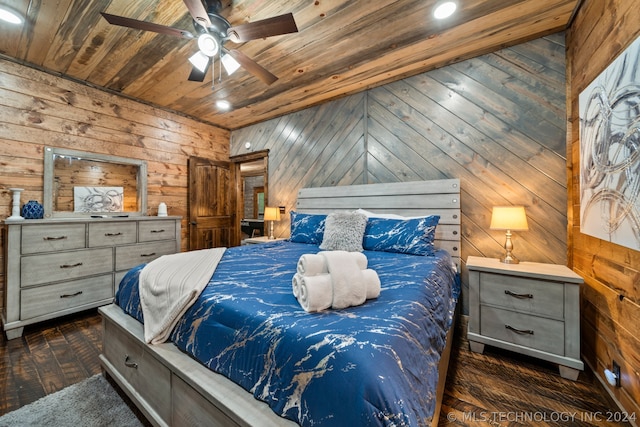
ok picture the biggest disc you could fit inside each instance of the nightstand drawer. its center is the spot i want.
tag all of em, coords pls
(523, 294)
(522, 329)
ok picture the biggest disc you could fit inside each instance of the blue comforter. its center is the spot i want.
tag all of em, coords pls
(375, 364)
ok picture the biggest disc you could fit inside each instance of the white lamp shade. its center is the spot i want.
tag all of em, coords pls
(230, 64)
(271, 213)
(509, 218)
(199, 60)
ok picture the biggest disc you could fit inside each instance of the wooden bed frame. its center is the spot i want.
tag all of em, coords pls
(171, 388)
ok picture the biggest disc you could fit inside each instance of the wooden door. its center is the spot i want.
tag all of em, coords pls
(211, 198)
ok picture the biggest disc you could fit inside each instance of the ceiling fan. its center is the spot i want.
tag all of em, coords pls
(214, 31)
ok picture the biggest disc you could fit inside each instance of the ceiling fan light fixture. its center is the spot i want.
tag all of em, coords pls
(445, 9)
(200, 61)
(208, 44)
(11, 16)
(230, 64)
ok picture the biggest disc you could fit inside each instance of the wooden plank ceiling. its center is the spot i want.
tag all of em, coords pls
(342, 47)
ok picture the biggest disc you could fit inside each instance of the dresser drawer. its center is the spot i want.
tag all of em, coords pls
(41, 300)
(523, 294)
(52, 237)
(139, 368)
(39, 269)
(149, 231)
(130, 256)
(111, 233)
(535, 332)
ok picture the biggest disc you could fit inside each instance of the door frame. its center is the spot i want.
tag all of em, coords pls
(237, 193)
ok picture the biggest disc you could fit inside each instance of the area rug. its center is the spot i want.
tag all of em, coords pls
(92, 403)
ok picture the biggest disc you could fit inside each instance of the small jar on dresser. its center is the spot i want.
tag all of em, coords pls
(56, 267)
(530, 308)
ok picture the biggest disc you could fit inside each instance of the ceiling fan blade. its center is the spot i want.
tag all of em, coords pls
(146, 26)
(197, 75)
(252, 66)
(198, 12)
(282, 24)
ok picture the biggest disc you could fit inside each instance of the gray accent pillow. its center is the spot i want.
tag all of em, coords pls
(344, 231)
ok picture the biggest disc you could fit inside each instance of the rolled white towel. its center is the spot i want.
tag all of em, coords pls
(358, 257)
(372, 283)
(295, 284)
(346, 277)
(315, 293)
(311, 265)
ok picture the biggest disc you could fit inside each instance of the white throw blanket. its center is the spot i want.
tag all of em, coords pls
(169, 285)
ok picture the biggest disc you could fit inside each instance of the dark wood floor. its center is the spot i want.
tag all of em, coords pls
(496, 388)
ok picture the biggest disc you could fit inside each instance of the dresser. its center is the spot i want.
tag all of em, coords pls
(529, 308)
(56, 267)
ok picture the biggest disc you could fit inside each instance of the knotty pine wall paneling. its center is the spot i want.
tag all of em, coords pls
(601, 31)
(497, 122)
(38, 109)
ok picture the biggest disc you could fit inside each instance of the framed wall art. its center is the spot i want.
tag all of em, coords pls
(98, 199)
(610, 152)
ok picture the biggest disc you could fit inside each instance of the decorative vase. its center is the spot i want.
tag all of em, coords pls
(15, 207)
(32, 210)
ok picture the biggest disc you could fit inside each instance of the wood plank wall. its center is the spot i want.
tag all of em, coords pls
(497, 122)
(38, 109)
(601, 31)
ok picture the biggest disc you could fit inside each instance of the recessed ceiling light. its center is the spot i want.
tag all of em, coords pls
(444, 10)
(9, 15)
(223, 104)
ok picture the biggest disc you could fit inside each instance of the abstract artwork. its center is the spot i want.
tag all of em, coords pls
(610, 152)
(98, 199)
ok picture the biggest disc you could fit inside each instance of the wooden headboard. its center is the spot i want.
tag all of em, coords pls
(415, 198)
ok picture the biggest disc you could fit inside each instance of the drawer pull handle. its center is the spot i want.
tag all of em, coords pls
(71, 265)
(71, 295)
(55, 238)
(513, 294)
(519, 331)
(113, 234)
(129, 364)
(147, 255)
(158, 231)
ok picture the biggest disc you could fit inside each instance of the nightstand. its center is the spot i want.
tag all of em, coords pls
(261, 239)
(529, 308)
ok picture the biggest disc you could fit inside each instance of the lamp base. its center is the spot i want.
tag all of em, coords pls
(509, 259)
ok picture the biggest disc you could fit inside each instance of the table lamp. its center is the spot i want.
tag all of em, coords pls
(509, 218)
(271, 214)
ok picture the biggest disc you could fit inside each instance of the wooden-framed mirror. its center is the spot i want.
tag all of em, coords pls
(78, 183)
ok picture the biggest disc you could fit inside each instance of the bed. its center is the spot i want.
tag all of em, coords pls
(283, 351)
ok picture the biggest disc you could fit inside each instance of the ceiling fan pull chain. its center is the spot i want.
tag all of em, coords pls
(213, 73)
(220, 65)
